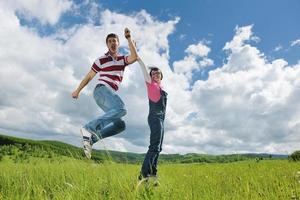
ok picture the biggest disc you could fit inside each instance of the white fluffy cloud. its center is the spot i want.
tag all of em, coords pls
(249, 101)
(195, 60)
(45, 11)
(199, 49)
(247, 105)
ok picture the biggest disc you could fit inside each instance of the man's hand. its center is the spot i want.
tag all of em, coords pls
(89, 76)
(133, 54)
(75, 94)
(127, 33)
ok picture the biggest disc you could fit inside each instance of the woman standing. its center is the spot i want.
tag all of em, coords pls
(157, 109)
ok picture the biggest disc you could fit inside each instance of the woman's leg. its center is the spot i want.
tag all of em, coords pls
(149, 166)
(155, 161)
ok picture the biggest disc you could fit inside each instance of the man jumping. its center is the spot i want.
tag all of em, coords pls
(111, 68)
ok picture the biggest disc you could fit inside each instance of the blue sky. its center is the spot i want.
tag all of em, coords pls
(231, 68)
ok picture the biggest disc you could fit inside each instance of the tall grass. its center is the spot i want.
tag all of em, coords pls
(79, 179)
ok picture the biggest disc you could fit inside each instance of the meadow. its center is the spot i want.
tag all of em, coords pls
(39, 170)
(67, 178)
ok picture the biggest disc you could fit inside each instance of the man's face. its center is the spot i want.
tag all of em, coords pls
(112, 44)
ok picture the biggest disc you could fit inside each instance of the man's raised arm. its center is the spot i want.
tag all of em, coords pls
(133, 54)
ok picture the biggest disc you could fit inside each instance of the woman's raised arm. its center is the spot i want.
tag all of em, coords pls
(144, 70)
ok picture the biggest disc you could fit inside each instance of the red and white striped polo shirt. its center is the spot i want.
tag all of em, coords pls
(110, 70)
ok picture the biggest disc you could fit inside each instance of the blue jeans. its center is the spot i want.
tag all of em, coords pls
(156, 124)
(110, 123)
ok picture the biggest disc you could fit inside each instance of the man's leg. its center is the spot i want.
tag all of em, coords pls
(110, 123)
(89, 130)
(113, 129)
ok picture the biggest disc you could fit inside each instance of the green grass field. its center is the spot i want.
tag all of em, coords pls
(69, 178)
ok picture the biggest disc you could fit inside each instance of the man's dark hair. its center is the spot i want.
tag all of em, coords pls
(156, 69)
(112, 35)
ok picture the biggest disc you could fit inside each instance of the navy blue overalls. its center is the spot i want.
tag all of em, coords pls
(156, 119)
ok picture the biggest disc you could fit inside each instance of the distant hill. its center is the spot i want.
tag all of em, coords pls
(265, 155)
(13, 145)
(25, 148)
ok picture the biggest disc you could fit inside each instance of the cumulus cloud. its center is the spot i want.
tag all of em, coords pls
(195, 60)
(47, 12)
(249, 100)
(198, 50)
(246, 105)
(243, 34)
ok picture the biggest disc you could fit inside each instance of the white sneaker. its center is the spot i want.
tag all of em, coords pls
(86, 141)
(155, 181)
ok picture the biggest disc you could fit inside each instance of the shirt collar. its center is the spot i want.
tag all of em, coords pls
(108, 54)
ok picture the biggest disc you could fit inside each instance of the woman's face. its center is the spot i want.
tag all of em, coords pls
(156, 75)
